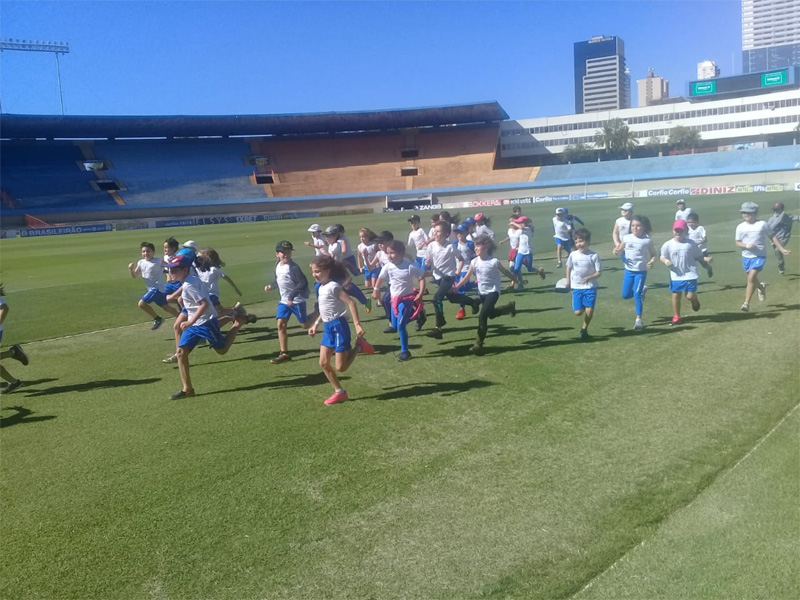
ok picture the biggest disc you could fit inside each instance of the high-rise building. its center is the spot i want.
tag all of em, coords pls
(707, 69)
(770, 34)
(602, 81)
(652, 89)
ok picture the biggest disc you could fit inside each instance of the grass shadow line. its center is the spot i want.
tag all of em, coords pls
(22, 417)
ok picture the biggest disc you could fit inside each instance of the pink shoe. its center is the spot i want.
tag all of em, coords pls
(366, 347)
(462, 314)
(336, 398)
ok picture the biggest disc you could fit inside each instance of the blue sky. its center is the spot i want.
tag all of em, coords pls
(258, 57)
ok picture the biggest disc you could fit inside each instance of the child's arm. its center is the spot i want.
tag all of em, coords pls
(666, 261)
(421, 288)
(3, 313)
(506, 272)
(594, 275)
(652, 252)
(466, 277)
(779, 246)
(578, 219)
(201, 308)
(175, 295)
(134, 269)
(569, 275)
(615, 235)
(504, 240)
(360, 260)
(229, 280)
(351, 304)
(376, 289)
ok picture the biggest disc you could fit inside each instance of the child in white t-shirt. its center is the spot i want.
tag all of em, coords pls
(336, 341)
(524, 250)
(317, 241)
(697, 233)
(16, 352)
(366, 251)
(562, 234)
(640, 254)
(681, 255)
(583, 269)
(417, 242)
(150, 269)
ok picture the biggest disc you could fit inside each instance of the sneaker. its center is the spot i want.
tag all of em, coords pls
(157, 323)
(695, 304)
(338, 396)
(435, 333)
(762, 292)
(462, 314)
(676, 320)
(540, 270)
(584, 334)
(638, 324)
(281, 358)
(181, 394)
(390, 329)
(171, 359)
(476, 307)
(710, 271)
(12, 386)
(366, 347)
(512, 309)
(781, 271)
(476, 348)
(368, 305)
(421, 321)
(239, 309)
(745, 307)
(404, 356)
(17, 353)
(252, 319)
(559, 264)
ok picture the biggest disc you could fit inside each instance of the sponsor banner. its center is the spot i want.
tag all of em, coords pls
(176, 223)
(736, 189)
(514, 201)
(67, 230)
(427, 207)
(133, 225)
(589, 196)
(242, 219)
(620, 195)
(556, 198)
(8, 233)
(481, 203)
(682, 191)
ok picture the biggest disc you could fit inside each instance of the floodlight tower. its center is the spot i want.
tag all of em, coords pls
(36, 46)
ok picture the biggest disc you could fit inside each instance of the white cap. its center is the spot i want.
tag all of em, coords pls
(626, 206)
(680, 201)
(315, 228)
(190, 244)
(561, 211)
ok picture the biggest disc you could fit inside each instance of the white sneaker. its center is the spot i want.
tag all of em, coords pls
(762, 292)
(639, 324)
(559, 265)
(173, 358)
(745, 307)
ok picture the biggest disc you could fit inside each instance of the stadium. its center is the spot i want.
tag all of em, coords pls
(654, 463)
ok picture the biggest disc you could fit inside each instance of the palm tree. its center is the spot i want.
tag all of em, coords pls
(616, 139)
(683, 138)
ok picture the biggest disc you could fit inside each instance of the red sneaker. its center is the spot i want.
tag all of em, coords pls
(366, 347)
(336, 398)
(462, 314)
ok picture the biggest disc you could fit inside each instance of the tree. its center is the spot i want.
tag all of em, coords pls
(684, 138)
(616, 139)
(652, 147)
(578, 153)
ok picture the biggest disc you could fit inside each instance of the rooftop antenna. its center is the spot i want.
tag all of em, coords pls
(37, 46)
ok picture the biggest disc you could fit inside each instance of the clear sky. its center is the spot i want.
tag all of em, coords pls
(258, 57)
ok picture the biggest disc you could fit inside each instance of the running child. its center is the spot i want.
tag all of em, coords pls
(16, 352)
(487, 270)
(317, 241)
(333, 305)
(682, 213)
(482, 226)
(417, 242)
(640, 255)
(200, 324)
(380, 260)
(681, 256)
(562, 234)
(339, 249)
(780, 223)
(751, 236)
(292, 286)
(583, 269)
(622, 226)
(406, 303)
(367, 249)
(464, 256)
(697, 233)
(513, 237)
(441, 263)
(149, 267)
(209, 270)
(524, 250)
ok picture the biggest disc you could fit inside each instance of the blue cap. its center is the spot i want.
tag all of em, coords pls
(462, 229)
(469, 220)
(181, 260)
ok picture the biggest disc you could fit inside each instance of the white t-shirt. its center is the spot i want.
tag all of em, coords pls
(637, 252)
(698, 236)
(525, 241)
(193, 292)
(623, 226)
(684, 257)
(513, 237)
(211, 279)
(336, 250)
(582, 265)
(443, 259)
(682, 214)
(465, 254)
(349, 252)
(754, 233)
(152, 273)
(483, 230)
(401, 277)
(383, 258)
(331, 307)
(287, 286)
(562, 229)
(318, 243)
(487, 272)
(416, 242)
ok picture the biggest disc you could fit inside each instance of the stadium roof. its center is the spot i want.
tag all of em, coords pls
(77, 127)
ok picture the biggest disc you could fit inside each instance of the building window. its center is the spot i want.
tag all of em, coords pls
(264, 178)
(409, 171)
(409, 153)
(258, 160)
(105, 185)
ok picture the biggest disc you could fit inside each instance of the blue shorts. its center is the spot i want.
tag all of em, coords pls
(584, 298)
(753, 264)
(154, 295)
(214, 299)
(687, 285)
(336, 335)
(351, 260)
(298, 310)
(171, 287)
(209, 330)
(565, 244)
(371, 273)
(420, 262)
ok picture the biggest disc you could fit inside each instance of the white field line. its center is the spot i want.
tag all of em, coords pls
(725, 474)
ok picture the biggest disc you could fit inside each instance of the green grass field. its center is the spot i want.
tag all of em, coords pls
(660, 463)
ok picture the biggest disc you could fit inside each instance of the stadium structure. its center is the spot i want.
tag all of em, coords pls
(81, 169)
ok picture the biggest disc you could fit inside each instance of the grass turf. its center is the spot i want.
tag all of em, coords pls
(522, 473)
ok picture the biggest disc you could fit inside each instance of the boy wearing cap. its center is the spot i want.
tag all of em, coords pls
(622, 226)
(781, 225)
(524, 250)
(751, 236)
(292, 285)
(201, 322)
(417, 242)
(149, 267)
(681, 255)
(562, 234)
(682, 213)
(317, 241)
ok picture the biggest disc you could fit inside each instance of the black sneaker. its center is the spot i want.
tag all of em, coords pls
(435, 333)
(390, 329)
(476, 307)
(281, 358)
(181, 394)
(157, 323)
(584, 334)
(12, 386)
(421, 320)
(252, 319)
(512, 309)
(404, 356)
(18, 353)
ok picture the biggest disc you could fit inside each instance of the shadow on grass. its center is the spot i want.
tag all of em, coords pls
(538, 310)
(443, 388)
(23, 416)
(89, 386)
(648, 331)
(29, 382)
(283, 381)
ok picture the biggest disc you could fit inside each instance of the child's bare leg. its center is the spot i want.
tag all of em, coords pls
(6, 375)
(587, 318)
(676, 304)
(176, 327)
(6, 353)
(230, 337)
(310, 320)
(148, 309)
(325, 356)
(578, 313)
(170, 310)
(283, 335)
(183, 367)
(345, 359)
(692, 298)
(752, 284)
(558, 252)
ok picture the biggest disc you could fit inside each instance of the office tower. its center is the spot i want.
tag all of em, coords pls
(652, 89)
(770, 34)
(707, 69)
(602, 81)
